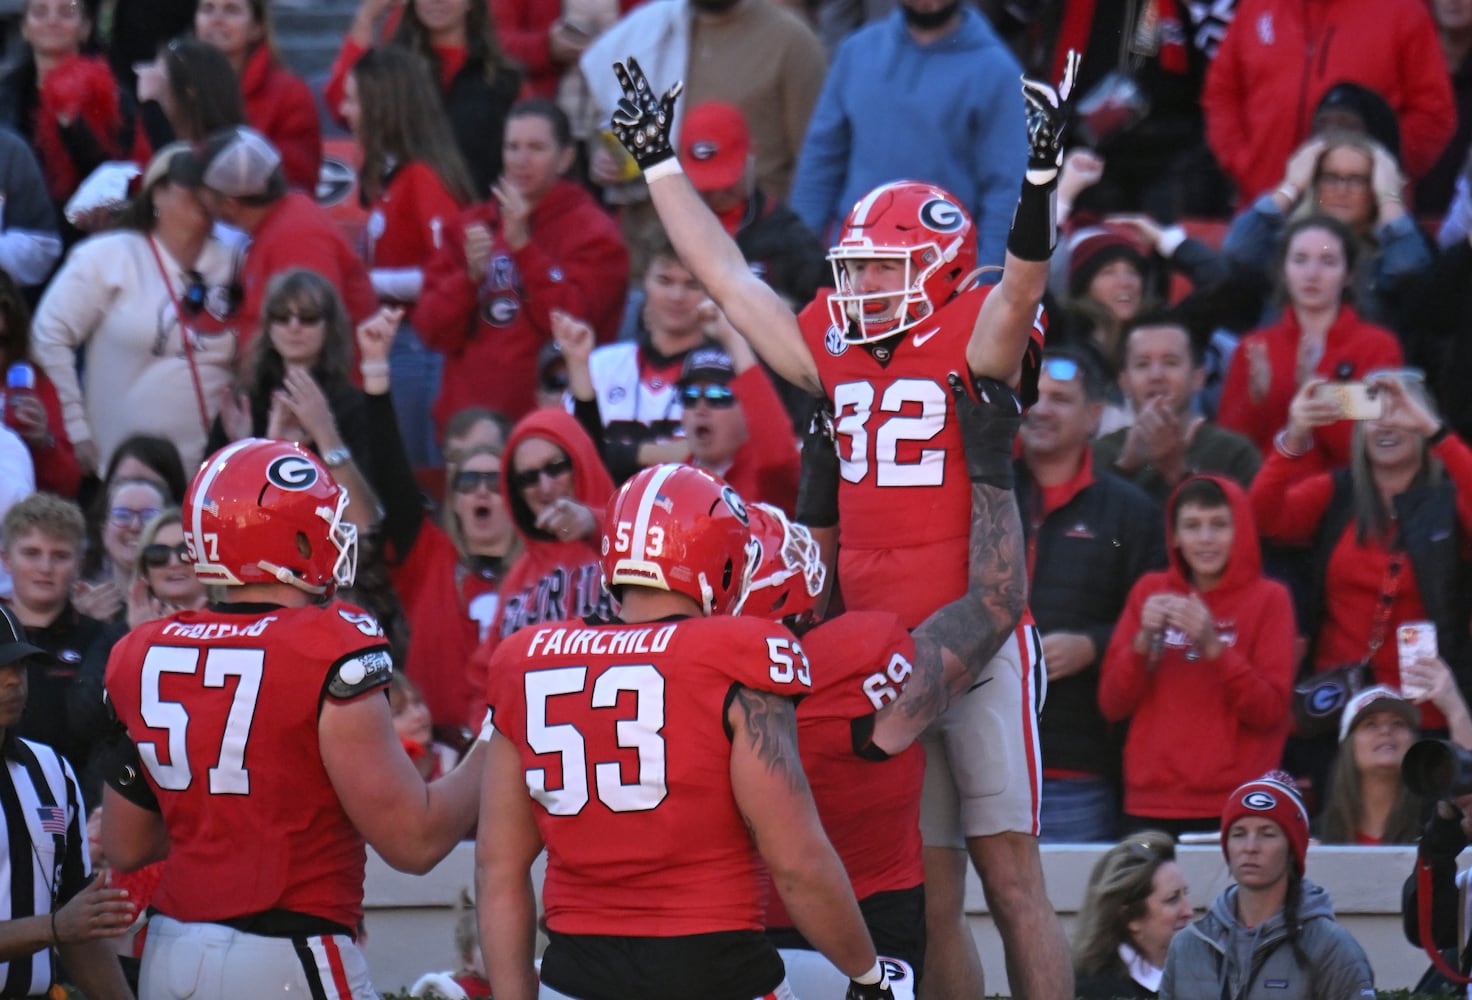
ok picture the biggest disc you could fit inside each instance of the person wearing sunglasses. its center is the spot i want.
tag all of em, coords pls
(297, 385)
(165, 580)
(736, 425)
(556, 488)
(131, 503)
(447, 577)
(150, 304)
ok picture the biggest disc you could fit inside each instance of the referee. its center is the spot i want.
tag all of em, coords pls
(42, 824)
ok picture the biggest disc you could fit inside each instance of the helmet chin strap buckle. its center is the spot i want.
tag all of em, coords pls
(287, 576)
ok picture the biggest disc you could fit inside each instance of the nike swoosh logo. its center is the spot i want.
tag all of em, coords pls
(984, 680)
(921, 338)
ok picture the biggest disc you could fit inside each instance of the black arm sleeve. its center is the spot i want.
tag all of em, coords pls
(391, 475)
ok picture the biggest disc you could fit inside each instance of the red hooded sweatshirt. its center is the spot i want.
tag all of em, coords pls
(491, 329)
(1199, 728)
(551, 580)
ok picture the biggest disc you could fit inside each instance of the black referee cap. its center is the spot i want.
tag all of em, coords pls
(13, 644)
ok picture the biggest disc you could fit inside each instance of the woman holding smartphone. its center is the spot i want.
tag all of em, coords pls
(1386, 538)
(1318, 336)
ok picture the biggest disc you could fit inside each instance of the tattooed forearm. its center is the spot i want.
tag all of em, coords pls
(767, 725)
(955, 643)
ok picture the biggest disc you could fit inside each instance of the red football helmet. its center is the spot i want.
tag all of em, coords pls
(679, 528)
(790, 576)
(918, 224)
(264, 511)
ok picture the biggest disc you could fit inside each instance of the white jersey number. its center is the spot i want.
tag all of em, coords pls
(641, 733)
(854, 404)
(228, 776)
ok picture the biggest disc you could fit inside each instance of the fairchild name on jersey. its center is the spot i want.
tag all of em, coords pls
(218, 630)
(599, 641)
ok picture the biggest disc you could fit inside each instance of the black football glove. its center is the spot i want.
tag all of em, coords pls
(642, 121)
(1047, 112)
(989, 426)
(873, 991)
(817, 489)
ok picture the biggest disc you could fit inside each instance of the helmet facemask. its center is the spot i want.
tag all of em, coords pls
(910, 302)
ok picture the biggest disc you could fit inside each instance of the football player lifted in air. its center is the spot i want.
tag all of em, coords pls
(906, 312)
(261, 751)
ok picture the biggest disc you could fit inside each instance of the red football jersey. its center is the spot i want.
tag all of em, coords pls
(902, 485)
(861, 661)
(223, 706)
(622, 729)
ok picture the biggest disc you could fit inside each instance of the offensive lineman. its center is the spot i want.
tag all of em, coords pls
(650, 754)
(262, 747)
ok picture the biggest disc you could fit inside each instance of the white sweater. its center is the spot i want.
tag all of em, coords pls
(110, 298)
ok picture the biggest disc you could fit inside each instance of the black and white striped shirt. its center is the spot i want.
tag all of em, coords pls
(43, 849)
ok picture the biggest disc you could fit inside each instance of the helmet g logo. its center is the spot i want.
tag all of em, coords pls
(737, 505)
(941, 216)
(1261, 801)
(292, 472)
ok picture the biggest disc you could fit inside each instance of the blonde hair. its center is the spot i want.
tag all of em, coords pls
(1117, 893)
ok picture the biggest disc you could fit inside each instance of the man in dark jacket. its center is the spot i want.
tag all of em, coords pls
(1090, 536)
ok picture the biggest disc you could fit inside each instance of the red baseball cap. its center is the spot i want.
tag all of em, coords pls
(714, 145)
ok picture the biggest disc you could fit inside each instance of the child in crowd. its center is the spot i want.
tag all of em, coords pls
(415, 729)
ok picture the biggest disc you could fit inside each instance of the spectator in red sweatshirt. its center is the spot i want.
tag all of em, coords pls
(541, 243)
(556, 488)
(1202, 657)
(278, 103)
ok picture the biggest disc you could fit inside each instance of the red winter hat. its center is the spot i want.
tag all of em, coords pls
(1274, 796)
(714, 145)
(1090, 250)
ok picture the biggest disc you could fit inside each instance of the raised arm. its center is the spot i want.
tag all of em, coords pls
(642, 123)
(1005, 321)
(955, 643)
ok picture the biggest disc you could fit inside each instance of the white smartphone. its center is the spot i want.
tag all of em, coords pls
(1357, 401)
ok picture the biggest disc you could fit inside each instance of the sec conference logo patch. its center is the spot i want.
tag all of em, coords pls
(834, 342)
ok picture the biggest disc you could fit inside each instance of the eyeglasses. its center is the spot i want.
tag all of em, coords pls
(469, 482)
(1344, 180)
(1061, 369)
(194, 295)
(157, 555)
(127, 517)
(303, 318)
(718, 396)
(525, 479)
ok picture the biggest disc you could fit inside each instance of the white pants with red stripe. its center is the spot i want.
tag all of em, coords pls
(213, 962)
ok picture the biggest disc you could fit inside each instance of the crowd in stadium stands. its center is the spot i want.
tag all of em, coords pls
(1246, 469)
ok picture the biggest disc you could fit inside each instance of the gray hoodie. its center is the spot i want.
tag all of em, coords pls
(1216, 958)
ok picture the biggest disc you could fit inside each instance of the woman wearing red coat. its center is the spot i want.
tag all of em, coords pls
(1202, 658)
(278, 104)
(541, 244)
(1319, 335)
